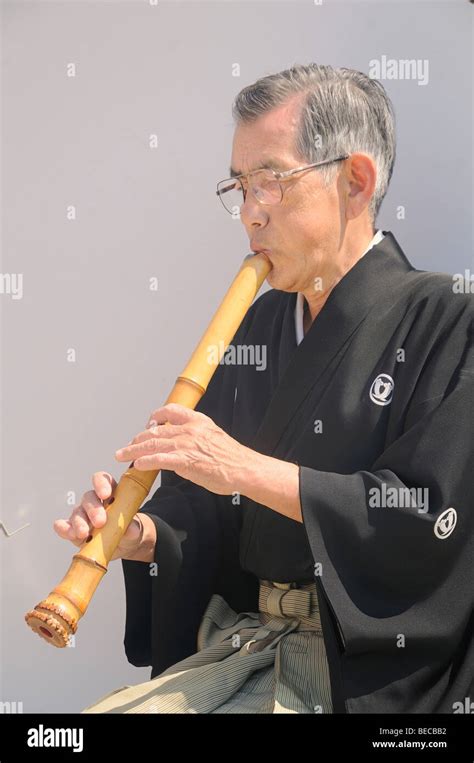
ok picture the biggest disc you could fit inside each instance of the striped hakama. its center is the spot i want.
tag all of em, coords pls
(271, 661)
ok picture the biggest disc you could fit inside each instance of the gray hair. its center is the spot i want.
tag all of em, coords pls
(345, 111)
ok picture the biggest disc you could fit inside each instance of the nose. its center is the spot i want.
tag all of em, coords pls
(252, 213)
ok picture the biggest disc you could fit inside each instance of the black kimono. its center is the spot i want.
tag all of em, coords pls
(375, 405)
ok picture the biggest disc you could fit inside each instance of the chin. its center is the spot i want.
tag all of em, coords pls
(272, 279)
(276, 281)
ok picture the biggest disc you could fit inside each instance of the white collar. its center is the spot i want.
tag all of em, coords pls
(300, 298)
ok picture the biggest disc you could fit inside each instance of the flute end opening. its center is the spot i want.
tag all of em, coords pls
(50, 624)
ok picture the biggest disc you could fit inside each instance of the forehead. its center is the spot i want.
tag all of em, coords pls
(268, 140)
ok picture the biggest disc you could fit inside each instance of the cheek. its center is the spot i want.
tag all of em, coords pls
(304, 229)
(305, 222)
(319, 224)
(295, 224)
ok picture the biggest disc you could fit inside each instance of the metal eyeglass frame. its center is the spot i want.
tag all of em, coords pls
(277, 176)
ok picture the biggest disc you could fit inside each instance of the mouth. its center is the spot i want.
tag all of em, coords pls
(265, 253)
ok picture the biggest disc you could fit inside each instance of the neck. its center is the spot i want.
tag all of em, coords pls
(343, 260)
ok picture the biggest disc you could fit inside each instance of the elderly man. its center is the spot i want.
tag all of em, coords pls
(310, 548)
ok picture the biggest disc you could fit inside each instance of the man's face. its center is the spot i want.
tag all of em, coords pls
(302, 233)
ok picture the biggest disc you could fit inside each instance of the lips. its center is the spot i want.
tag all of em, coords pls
(256, 248)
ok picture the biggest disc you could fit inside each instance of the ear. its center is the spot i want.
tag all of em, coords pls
(360, 179)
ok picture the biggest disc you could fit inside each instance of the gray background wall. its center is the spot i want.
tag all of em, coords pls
(162, 69)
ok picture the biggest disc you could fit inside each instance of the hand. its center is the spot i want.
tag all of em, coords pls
(91, 514)
(192, 446)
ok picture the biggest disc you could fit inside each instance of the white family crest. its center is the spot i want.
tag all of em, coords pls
(445, 523)
(381, 390)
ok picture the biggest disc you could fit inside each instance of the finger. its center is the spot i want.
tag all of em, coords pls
(172, 413)
(150, 446)
(170, 461)
(94, 509)
(80, 524)
(64, 529)
(103, 484)
(159, 431)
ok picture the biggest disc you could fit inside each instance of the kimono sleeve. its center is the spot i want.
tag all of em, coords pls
(186, 559)
(399, 563)
(165, 600)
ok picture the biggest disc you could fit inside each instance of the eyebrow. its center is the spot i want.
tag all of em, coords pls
(270, 164)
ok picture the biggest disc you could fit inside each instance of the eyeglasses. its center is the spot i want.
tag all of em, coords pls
(265, 185)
